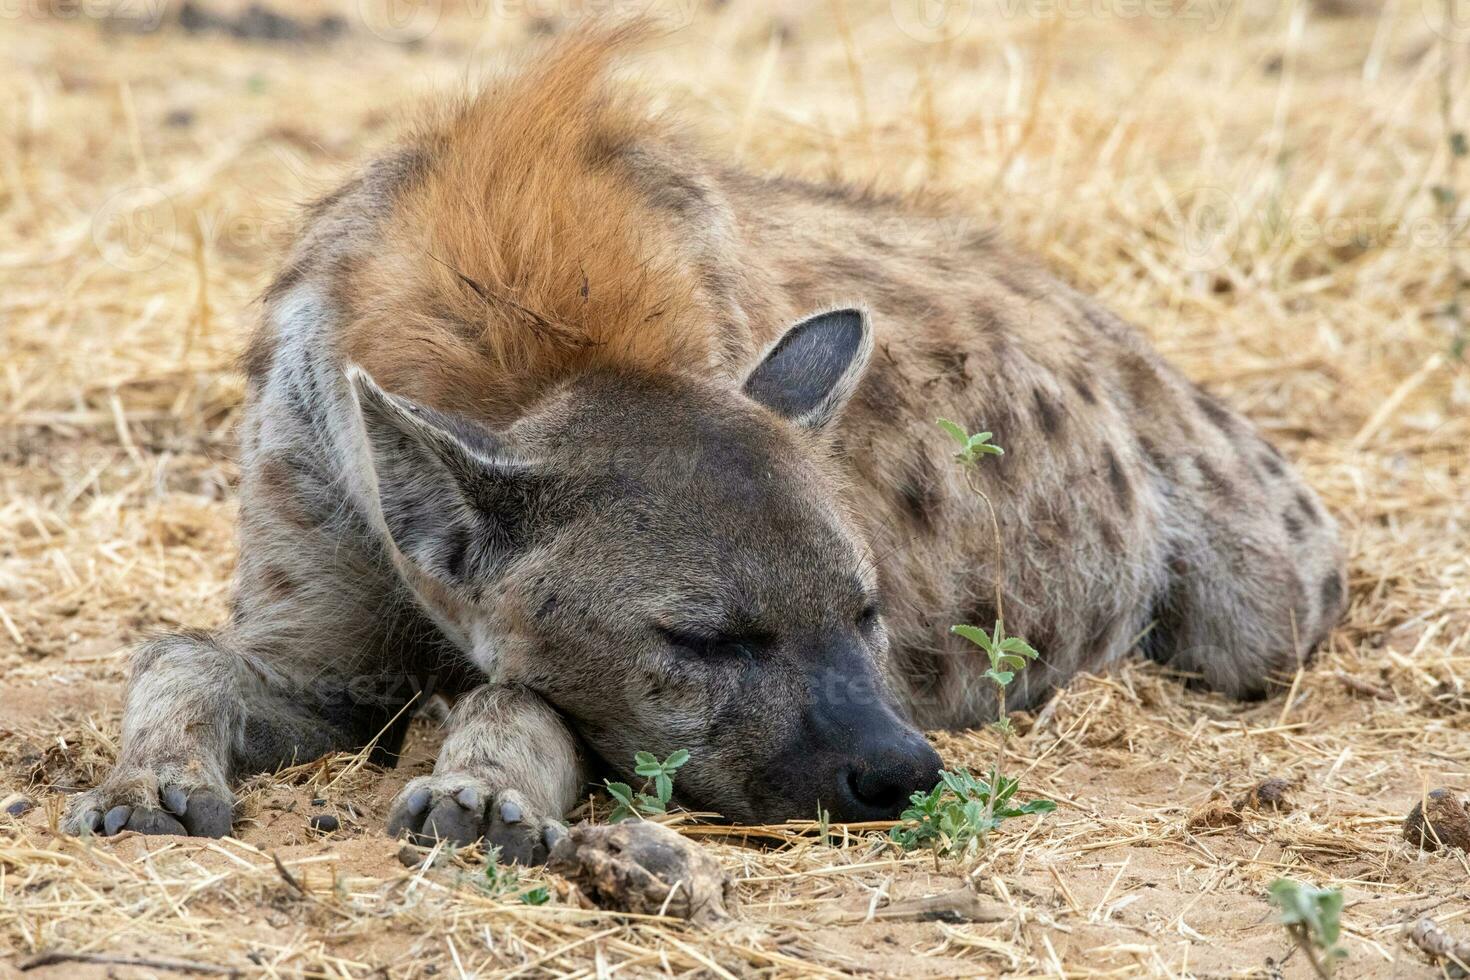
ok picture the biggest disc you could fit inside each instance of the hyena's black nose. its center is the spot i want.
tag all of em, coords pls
(877, 784)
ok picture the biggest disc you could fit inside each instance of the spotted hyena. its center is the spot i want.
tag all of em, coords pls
(632, 450)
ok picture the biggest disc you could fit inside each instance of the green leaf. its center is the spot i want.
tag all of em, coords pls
(651, 804)
(956, 433)
(974, 634)
(537, 896)
(1038, 806)
(676, 759)
(643, 760)
(663, 786)
(621, 792)
(1014, 644)
(1001, 677)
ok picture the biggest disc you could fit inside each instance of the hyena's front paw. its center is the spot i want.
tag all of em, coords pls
(461, 809)
(151, 803)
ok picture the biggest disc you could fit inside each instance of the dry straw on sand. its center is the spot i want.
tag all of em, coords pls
(1254, 183)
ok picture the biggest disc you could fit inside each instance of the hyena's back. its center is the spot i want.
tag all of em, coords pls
(547, 227)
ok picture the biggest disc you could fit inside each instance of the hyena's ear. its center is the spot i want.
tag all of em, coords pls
(455, 499)
(812, 370)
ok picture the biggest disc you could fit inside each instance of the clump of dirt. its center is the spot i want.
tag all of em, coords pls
(1267, 795)
(1438, 820)
(1214, 812)
(641, 866)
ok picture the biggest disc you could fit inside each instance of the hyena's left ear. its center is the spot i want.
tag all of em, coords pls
(455, 499)
(812, 370)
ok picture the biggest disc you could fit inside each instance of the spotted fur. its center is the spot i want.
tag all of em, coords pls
(527, 413)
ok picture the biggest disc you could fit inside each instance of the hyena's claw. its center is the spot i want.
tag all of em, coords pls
(462, 809)
(116, 819)
(154, 822)
(203, 812)
(520, 840)
(86, 821)
(138, 806)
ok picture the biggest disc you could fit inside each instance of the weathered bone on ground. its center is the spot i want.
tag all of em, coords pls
(640, 866)
(1440, 945)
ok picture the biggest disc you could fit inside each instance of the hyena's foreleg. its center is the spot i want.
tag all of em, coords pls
(319, 642)
(199, 713)
(509, 770)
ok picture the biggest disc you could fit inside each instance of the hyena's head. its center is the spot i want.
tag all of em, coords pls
(666, 561)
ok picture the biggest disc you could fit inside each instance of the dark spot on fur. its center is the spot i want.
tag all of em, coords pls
(277, 583)
(259, 354)
(677, 193)
(283, 490)
(456, 553)
(1272, 464)
(1047, 412)
(1084, 390)
(1332, 593)
(1213, 480)
(1166, 626)
(1156, 459)
(1104, 322)
(1216, 412)
(918, 493)
(951, 364)
(1112, 537)
(1140, 378)
(604, 147)
(1308, 508)
(881, 392)
(1118, 480)
(1293, 524)
(548, 606)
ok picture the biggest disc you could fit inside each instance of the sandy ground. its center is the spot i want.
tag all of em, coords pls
(1269, 190)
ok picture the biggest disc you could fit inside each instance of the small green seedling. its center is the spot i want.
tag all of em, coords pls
(658, 777)
(972, 446)
(1007, 654)
(504, 881)
(956, 815)
(1313, 917)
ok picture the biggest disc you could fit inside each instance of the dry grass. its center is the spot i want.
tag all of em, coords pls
(145, 184)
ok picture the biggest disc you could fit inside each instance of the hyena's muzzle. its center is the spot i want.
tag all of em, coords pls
(851, 754)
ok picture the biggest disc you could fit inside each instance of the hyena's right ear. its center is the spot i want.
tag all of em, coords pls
(455, 500)
(812, 370)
